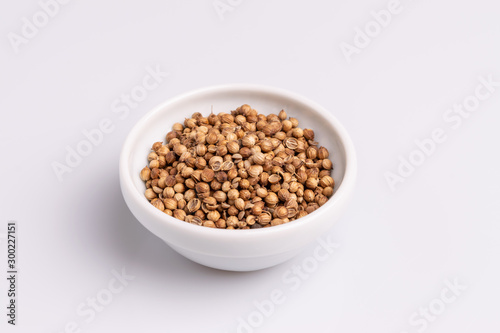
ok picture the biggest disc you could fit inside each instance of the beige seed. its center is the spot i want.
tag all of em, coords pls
(282, 115)
(266, 146)
(308, 195)
(327, 181)
(152, 156)
(210, 203)
(178, 127)
(261, 192)
(150, 194)
(328, 191)
(245, 195)
(202, 188)
(264, 218)
(259, 158)
(300, 214)
(308, 134)
(298, 132)
(154, 164)
(162, 182)
(156, 146)
(312, 152)
(287, 125)
(248, 141)
(323, 153)
(312, 182)
(162, 151)
(233, 194)
(292, 212)
(146, 174)
(271, 199)
(232, 221)
(226, 118)
(212, 138)
(255, 170)
(168, 192)
(215, 163)
(189, 194)
(201, 149)
(207, 175)
(233, 147)
(220, 196)
(244, 184)
(179, 214)
(170, 203)
(221, 224)
(291, 143)
(294, 186)
(283, 195)
(209, 224)
(327, 164)
(250, 220)
(170, 157)
(187, 172)
(179, 188)
(274, 178)
(227, 165)
(257, 208)
(276, 222)
(281, 212)
(321, 199)
(157, 203)
(239, 204)
(180, 149)
(193, 205)
(312, 207)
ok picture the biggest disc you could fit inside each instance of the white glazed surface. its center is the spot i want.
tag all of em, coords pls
(237, 250)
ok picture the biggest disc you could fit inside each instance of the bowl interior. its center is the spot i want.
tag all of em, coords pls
(156, 124)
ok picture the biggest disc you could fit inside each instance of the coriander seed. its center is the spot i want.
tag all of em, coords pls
(158, 204)
(170, 203)
(233, 194)
(323, 153)
(150, 194)
(271, 199)
(207, 175)
(281, 212)
(264, 218)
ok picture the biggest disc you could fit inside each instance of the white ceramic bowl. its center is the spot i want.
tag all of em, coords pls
(237, 250)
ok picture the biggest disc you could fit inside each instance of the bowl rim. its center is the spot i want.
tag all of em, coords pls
(347, 185)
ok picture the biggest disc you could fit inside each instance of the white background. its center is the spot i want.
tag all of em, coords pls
(397, 248)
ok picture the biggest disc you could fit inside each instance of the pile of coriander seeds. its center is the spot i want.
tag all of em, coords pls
(242, 170)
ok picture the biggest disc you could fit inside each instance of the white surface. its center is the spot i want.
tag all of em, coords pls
(396, 248)
(238, 250)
